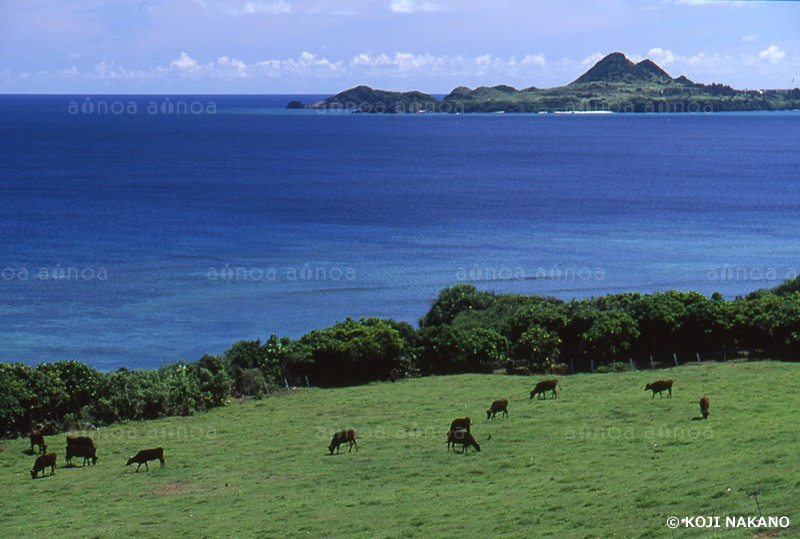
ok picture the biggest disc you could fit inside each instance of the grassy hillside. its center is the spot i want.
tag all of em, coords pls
(602, 460)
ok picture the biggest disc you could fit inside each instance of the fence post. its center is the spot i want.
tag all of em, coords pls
(675, 356)
(308, 384)
(630, 359)
(724, 354)
(592, 365)
(266, 387)
(698, 357)
(651, 362)
(285, 381)
(614, 364)
(571, 367)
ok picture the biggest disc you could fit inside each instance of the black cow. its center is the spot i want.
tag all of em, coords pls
(463, 438)
(147, 454)
(462, 423)
(658, 386)
(545, 385)
(80, 440)
(38, 439)
(88, 452)
(497, 406)
(48, 460)
(341, 437)
(704, 407)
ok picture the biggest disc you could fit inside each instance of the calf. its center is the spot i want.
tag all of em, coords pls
(463, 438)
(497, 406)
(38, 439)
(659, 386)
(43, 462)
(462, 423)
(147, 454)
(88, 452)
(704, 407)
(79, 440)
(341, 437)
(545, 385)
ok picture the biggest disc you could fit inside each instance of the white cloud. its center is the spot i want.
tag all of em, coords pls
(593, 59)
(278, 7)
(184, 63)
(749, 38)
(773, 54)
(661, 56)
(534, 60)
(412, 6)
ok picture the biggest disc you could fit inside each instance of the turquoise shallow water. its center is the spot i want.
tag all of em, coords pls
(136, 238)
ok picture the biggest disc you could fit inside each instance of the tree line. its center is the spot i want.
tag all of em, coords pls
(465, 330)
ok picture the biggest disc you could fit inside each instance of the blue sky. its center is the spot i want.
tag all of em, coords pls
(324, 46)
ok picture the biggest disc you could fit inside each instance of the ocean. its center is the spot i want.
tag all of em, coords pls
(140, 230)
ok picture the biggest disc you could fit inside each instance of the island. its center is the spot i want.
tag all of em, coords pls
(613, 84)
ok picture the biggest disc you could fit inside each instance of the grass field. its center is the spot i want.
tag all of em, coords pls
(602, 460)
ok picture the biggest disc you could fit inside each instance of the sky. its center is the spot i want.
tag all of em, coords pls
(325, 46)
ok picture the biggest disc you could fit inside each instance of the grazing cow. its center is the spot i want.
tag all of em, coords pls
(497, 406)
(79, 440)
(463, 438)
(704, 407)
(48, 460)
(462, 423)
(38, 439)
(147, 454)
(545, 385)
(88, 452)
(659, 386)
(342, 437)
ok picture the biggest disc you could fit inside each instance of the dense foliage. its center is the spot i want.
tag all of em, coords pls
(465, 330)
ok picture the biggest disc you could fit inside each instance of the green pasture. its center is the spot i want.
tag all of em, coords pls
(603, 460)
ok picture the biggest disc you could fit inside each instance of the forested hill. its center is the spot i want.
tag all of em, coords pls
(465, 330)
(614, 84)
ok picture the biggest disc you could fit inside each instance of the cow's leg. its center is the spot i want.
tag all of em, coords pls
(355, 443)
(670, 393)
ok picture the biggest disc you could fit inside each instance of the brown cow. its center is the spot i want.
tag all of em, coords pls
(147, 454)
(88, 452)
(704, 407)
(43, 462)
(463, 438)
(341, 437)
(659, 386)
(462, 423)
(497, 406)
(38, 439)
(545, 385)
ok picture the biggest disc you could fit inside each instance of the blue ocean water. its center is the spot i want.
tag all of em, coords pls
(136, 230)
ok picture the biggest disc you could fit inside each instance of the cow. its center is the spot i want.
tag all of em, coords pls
(545, 385)
(463, 438)
(47, 460)
(147, 454)
(38, 439)
(659, 386)
(497, 406)
(462, 423)
(88, 452)
(704, 407)
(342, 437)
(79, 440)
